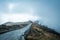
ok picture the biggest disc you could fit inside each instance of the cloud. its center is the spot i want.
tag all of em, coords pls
(11, 6)
(18, 17)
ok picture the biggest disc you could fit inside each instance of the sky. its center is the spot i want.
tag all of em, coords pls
(46, 11)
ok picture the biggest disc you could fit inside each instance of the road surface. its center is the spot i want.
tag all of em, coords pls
(15, 35)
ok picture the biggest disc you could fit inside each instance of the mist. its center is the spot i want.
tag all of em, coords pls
(46, 12)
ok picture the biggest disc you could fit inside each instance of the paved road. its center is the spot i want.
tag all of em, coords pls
(15, 35)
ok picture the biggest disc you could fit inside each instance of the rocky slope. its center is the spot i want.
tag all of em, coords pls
(41, 32)
(36, 31)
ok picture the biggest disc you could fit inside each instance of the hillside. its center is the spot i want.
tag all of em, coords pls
(35, 32)
(41, 32)
(10, 26)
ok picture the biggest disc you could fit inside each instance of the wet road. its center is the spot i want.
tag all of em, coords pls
(16, 34)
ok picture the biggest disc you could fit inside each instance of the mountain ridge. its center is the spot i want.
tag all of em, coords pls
(41, 32)
(36, 31)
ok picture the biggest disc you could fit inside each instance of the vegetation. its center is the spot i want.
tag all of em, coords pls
(41, 32)
(5, 28)
(36, 32)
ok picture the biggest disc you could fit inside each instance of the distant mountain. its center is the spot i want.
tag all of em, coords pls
(16, 23)
(41, 32)
(36, 31)
(10, 26)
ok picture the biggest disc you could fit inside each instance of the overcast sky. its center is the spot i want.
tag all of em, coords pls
(47, 12)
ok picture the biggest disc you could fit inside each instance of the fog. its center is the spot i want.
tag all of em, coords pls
(47, 12)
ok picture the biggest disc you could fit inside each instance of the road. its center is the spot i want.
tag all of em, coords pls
(15, 35)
